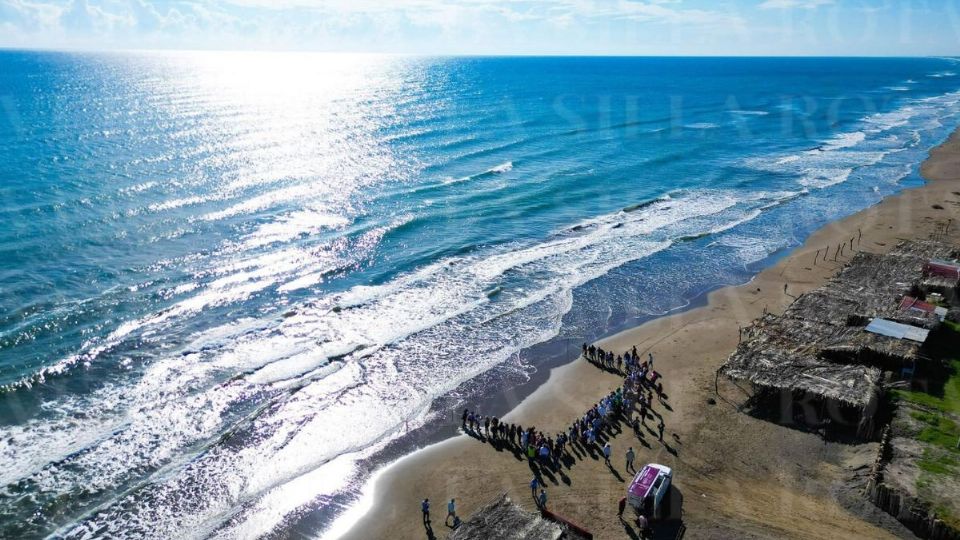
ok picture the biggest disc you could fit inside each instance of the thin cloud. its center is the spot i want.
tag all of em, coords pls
(795, 4)
(655, 11)
(451, 26)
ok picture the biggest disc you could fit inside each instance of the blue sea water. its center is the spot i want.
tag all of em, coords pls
(229, 280)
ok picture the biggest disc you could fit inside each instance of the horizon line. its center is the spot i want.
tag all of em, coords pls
(453, 55)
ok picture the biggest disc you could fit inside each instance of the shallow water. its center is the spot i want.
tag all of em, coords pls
(230, 278)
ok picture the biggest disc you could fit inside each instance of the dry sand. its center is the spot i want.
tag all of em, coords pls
(740, 477)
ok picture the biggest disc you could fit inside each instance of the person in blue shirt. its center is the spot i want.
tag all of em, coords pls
(451, 511)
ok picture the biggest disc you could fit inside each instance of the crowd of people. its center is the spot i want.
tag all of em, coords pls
(641, 383)
(536, 445)
(632, 404)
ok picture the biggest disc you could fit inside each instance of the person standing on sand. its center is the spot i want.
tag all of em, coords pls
(630, 457)
(534, 484)
(544, 454)
(542, 501)
(451, 511)
(463, 420)
(425, 508)
(643, 525)
(607, 450)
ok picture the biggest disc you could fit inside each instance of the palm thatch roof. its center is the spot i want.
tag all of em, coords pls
(819, 345)
(927, 250)
(939, 283)
(504, 519)
(778, 369)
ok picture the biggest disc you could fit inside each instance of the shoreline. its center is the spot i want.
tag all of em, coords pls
(719, 454)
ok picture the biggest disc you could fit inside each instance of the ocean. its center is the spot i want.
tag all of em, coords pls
(232, 285)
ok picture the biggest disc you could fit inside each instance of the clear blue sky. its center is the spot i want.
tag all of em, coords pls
(647, 27)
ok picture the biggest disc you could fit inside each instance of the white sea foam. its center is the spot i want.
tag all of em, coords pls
(788, 159)
(502, 168)
(294, 225)
(139, 188)
(893, 119)
(750, 113)
(177, 203)
(506, 166)
(751, 249)
(821, 178)
(881, 135)
(844, 140)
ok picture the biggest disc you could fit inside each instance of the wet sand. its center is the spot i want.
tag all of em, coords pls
(740, 477)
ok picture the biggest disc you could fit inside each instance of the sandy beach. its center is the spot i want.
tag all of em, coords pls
(740, 477)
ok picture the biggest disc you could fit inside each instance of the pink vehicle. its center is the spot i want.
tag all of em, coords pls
(648, 494)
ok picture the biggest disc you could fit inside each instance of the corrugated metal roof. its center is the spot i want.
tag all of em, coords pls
(897, 330)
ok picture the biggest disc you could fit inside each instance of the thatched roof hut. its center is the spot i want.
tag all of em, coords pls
(927, 250)
(504, 519)
(820, 346)
(774, 369)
